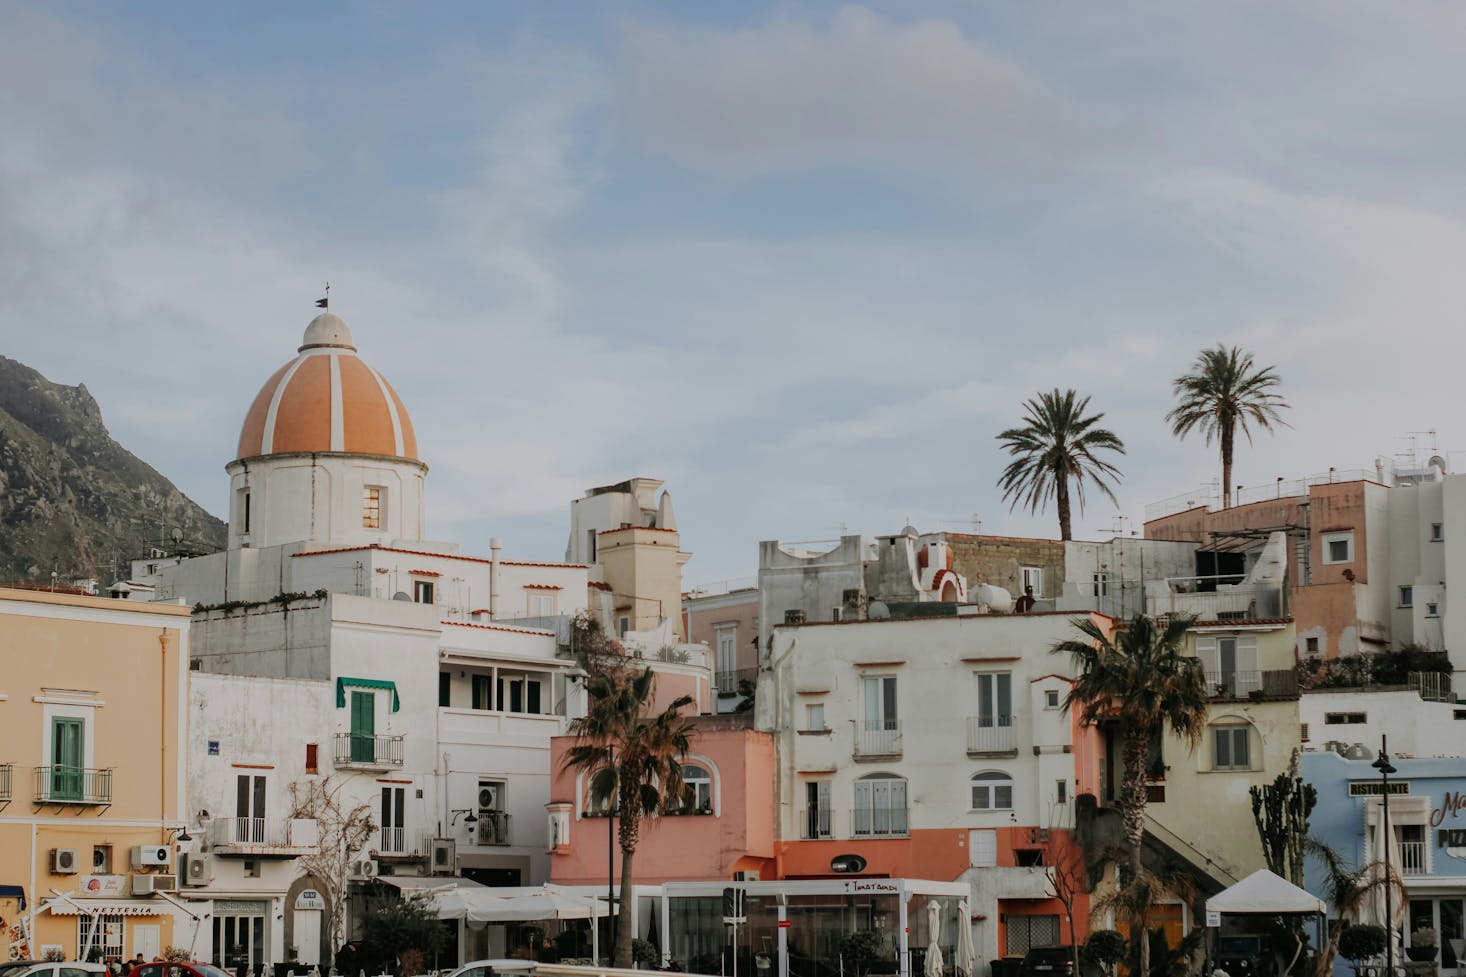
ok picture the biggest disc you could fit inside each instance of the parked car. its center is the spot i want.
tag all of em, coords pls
(187, 968)
(1053, 961)
(1239, 956)
(58, 968)
(486, 968)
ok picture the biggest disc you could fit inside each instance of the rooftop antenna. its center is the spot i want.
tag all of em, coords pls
(325, 303)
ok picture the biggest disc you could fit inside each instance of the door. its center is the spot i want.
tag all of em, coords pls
(817, 799)
(393, 805)
(249, 809)
(363, 727)
(147, 940)
(68, 764)
(308, 936)
(239, 941)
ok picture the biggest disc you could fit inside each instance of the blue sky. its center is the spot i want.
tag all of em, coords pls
(801, 261)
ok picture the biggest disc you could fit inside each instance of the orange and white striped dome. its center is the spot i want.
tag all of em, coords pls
(327, 400)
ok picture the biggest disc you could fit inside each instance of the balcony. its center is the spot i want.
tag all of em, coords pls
(492, 828)
(1412, 858)
(364, 751)
(877, 740)
(816, 824)
(263, 838)
(1235, 686)
(80, 786)
(992, 736)
(887, 822)
(394, 841)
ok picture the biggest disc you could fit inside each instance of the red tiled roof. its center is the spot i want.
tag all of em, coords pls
(497, 627)
(542, 586)
(425, 573)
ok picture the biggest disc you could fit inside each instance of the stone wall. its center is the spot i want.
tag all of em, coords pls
(998, 560)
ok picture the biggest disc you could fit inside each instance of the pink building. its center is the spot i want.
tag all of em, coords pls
(727, 829)
(726, 620)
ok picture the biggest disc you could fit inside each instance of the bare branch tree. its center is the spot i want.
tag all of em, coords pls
(1064, 866)
(344, 832)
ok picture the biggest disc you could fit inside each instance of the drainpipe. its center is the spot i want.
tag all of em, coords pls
(163, 735)
(495, 545)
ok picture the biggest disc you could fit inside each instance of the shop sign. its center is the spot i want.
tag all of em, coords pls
(106, 886)
(1373, 788)
(1452, 803)
(310, 899)
(241, 907)
(874, 886)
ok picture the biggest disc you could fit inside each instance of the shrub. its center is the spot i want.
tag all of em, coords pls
(1105, 948)
(1362, 942)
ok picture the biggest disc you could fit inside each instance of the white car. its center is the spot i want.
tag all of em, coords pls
(60, 969)
(488, 968)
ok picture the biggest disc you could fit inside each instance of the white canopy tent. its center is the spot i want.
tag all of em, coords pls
(1263, 893)
(485, 906)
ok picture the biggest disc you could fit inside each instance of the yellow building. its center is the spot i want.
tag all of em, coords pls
(93, 697)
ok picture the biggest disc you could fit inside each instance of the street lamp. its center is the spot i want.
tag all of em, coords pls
(1385, 768)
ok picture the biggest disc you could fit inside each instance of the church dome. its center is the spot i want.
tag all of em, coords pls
(327, 399)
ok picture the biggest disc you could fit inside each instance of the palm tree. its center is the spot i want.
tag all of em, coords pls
(1222, 393)
(1348, 890)
(1057, 444)
(1143, 682)
(634, 757)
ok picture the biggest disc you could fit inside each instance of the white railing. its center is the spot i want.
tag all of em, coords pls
(816, 823)
(991, 734)
(393, 841)
(877, 738)
(1412, 858)
(880, 822)
(1233, 603)
(1210, 496)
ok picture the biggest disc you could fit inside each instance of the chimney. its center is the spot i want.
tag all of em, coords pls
(495, 545)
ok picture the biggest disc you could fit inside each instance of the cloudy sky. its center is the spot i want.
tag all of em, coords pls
(801, 261)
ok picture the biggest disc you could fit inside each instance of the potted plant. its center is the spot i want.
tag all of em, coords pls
(1422, 945)
(1361, 942)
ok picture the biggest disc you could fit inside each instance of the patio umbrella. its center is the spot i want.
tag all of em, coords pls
(1374, 909)
(934, 965)
(966, 952)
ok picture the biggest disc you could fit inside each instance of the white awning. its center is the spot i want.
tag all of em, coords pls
(513, 905)
(106, 907)
(1265, 893)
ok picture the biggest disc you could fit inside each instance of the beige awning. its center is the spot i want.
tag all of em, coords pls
(106, 907)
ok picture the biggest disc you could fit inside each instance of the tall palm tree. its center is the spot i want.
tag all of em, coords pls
(634, 757)
(1141, 680)
(1225, 392)
(1348, 890)
(1057, 444)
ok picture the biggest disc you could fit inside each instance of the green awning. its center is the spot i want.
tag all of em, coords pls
(365, 683)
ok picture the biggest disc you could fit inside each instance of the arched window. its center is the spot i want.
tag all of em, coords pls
(880, 806)
(699, 789)
(992, 790)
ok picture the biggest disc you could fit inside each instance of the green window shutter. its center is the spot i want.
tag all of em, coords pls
(363, 726)
(68, 760)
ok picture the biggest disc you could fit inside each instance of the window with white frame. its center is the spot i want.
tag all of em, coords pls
(994, 699)
(1432, 609)
(539, 602)
(880, 805)
(814, 717)
(880, 702)
(102, 932)
(726, 636)
(371, 507)
(1437, 532)
(1102, 584)
(1338, 547)
(1230, 663)
(1051, 698)
(1407, 596)
(992, 790)
(422, 591)
(1033, 577)
(1232, 747)
(699, 785)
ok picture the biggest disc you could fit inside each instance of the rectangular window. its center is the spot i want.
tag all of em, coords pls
(880, 702)
(68, 760)
(249, 808)
(363, 727)
(1437, 532)
(422, 591)
(540, 604)
(814, 716)
(590, 542)
(1061, 791)
(1051, 698)
(880, 806)
(995, 700)
(727, 637)
(1028, 857)
(244, 510)
(1432, 609)
(483, 692)
(393, 812)
(1230, 664)
(1407, 596)
(622, 626)
(445, 689)
(817, 811)
(102, 933)
(1231, 748)
(312, 758)
(1310, 645)
(1343, 718)
(1033, 577)
(1338, 547)
(1102, 585)
(371, 507)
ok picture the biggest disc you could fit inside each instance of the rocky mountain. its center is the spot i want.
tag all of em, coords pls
(73, 500)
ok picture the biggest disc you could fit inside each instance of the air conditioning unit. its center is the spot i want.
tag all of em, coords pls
(151, 856)
(445, 856)
(745, 876)
(146, 885)
(65, 861)
(488, 798)
(362, 869)
(196, 870)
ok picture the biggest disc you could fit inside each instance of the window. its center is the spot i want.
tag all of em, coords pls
(394, 833)
(371, 507)
(1033, 577)
(815, 823)
(243, 512)
(1230, 664)
(1023, 933)
(103, 931)
(622, 626)
(1102, 585)
(590, 541)
(1432, 609)
(699, 789)
(1028, 857)
(727, 645)
(1051, 698)
(880, 702)
(995, 699)
(102, 860)
(445, 689)
(519, 693)
(249, 808)
(1061, 792)
(835, 614)
(1303, 733)
(1407, 596)
(540, 603)
(1343, 718)
(1338, 547)
(880, 805)
(992, 791)
(1310, 645)
(1231, 748)
(422, 591)
(482, 687)
(312, 758)
(68, 758)
(814, 716)
(1437, 532)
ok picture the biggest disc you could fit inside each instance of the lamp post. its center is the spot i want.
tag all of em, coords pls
(1385, 768)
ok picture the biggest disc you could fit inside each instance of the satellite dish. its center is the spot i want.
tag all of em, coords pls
(402, 595)
(878, 611)
(177, 535)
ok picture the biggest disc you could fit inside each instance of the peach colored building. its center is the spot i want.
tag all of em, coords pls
(726, 620)
(728, 828)
(1340, 589)
(94, 705)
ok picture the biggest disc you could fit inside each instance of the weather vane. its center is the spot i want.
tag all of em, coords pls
(325, 303)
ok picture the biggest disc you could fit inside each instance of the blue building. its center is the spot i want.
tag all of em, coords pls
(1427, 817)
